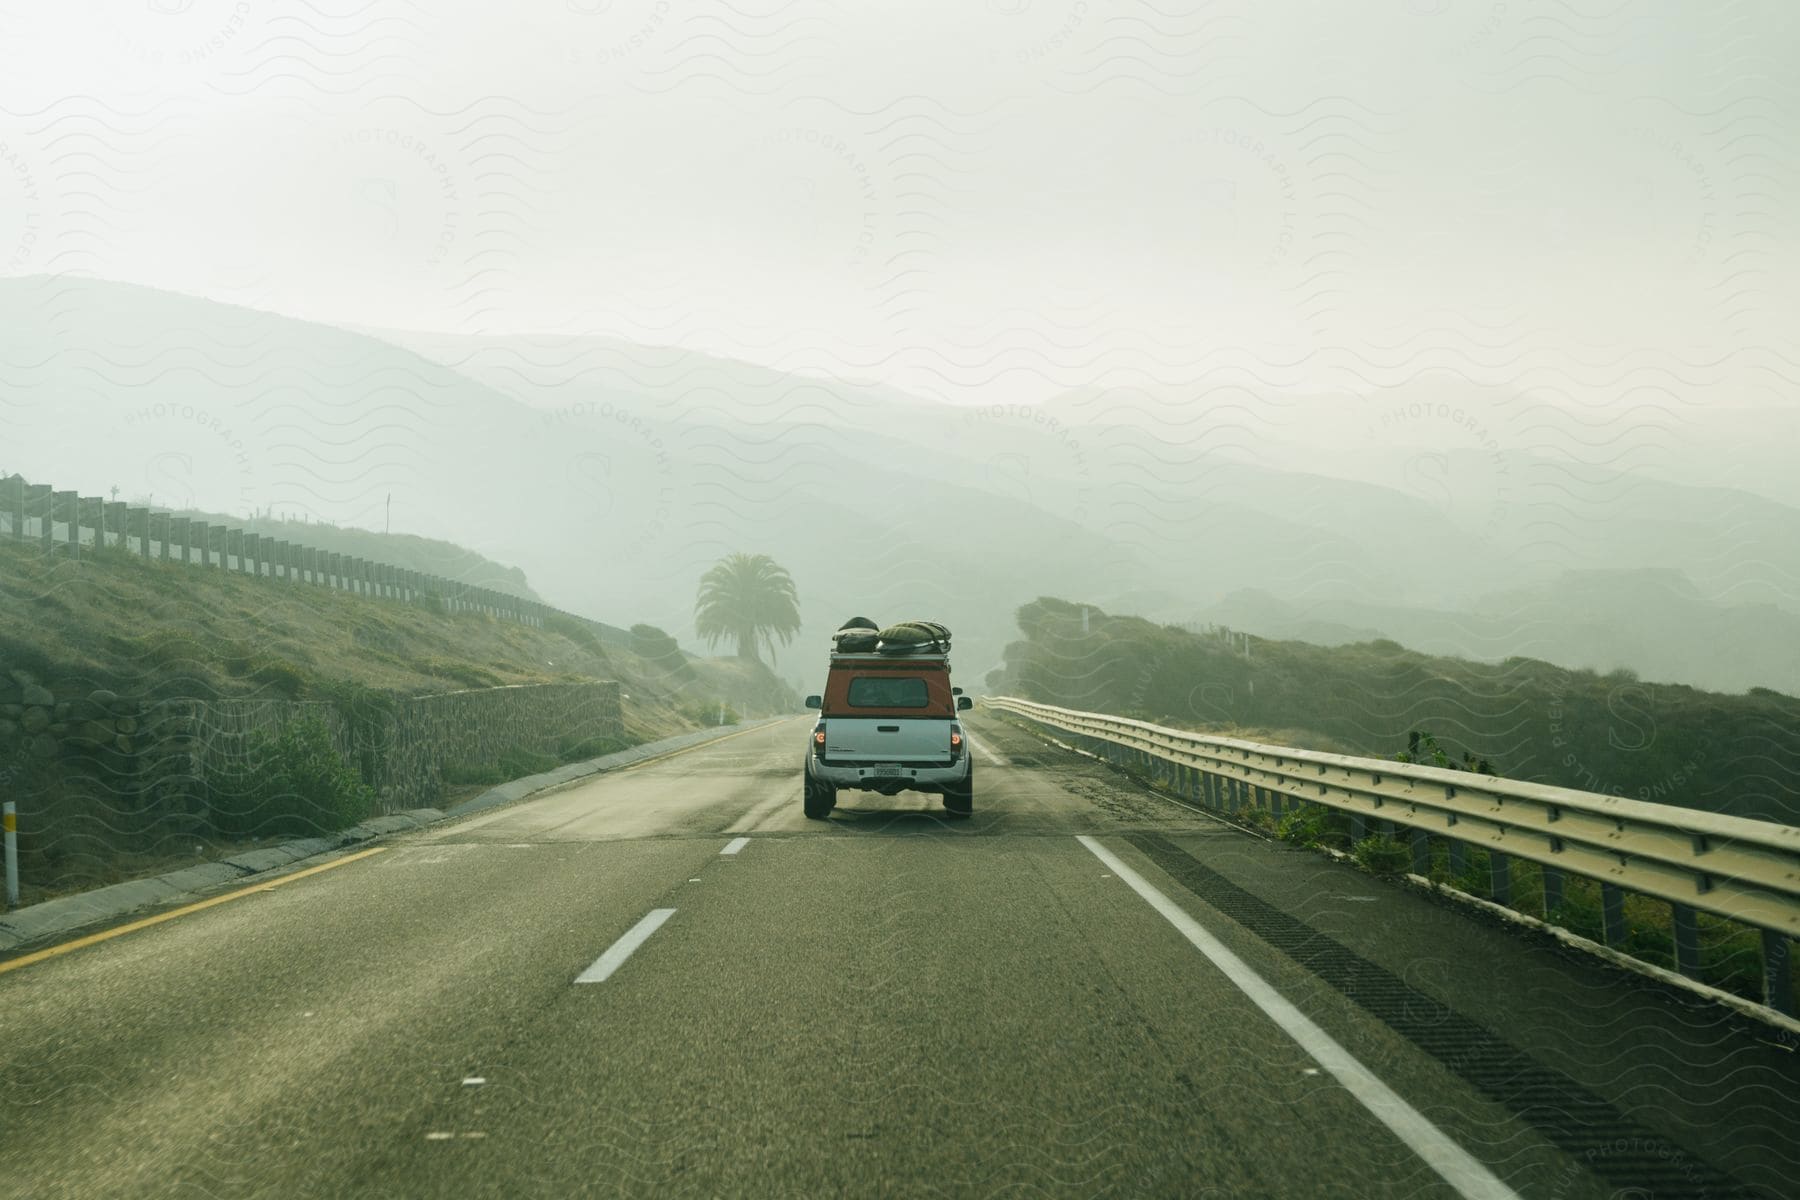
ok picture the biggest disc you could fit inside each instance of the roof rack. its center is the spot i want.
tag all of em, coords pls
(891, 656)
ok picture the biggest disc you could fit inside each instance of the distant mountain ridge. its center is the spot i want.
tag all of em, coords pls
(614, 475)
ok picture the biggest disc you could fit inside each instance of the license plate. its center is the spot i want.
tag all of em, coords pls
(886, 771)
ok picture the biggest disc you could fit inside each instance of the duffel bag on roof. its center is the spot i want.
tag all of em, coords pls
(854, 641)
(914, 636)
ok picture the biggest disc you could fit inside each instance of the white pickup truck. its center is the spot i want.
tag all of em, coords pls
(888, 723)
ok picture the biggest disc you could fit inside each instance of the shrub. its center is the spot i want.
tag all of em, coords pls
(463, 773)
(573, 749)
(1382, 856)
(706, 712)
(467, 674)
(279, 677)
(1302, 826)
(577, 632)
(296, 784)
(1256, 818)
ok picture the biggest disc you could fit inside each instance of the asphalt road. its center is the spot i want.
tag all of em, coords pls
(1084, 990)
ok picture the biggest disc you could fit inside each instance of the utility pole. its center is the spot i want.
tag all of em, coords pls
(388, 524)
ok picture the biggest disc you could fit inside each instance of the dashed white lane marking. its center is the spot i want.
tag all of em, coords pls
(1450, 1161)
(734, 845)
(619, 951)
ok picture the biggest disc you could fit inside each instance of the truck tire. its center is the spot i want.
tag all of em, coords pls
(817, 798)
(959, 798)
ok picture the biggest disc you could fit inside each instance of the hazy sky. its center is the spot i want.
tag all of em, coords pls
(975, 199)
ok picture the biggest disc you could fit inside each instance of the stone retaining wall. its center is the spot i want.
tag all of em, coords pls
(94, 773)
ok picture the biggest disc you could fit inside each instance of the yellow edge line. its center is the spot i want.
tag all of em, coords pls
(158, 919)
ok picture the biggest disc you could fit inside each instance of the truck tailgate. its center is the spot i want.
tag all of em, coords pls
(887, 739)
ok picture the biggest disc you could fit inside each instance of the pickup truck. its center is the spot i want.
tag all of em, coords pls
(888, 723)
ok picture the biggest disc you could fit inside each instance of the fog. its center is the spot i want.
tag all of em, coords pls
(1467, 325)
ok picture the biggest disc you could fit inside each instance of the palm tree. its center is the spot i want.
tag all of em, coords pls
(749, 598)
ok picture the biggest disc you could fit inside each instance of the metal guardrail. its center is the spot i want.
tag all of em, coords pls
(35, 511)
(1733, 867)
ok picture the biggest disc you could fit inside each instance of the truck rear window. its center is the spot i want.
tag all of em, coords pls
(888, 691)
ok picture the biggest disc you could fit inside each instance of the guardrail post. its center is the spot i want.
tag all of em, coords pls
(9, 819)
(90, 513)
(40, 500)
(15, 506)
(1500, 877)
(1458, 858)
(1359, 828)
(1612, 914)
(139, 520)
(1778, 975)
(1421, 851)
(180, 529)
(1687, 940)
(1553, 891)
(68, 506)
(118, 519)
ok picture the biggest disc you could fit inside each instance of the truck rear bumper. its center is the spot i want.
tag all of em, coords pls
(899, 777)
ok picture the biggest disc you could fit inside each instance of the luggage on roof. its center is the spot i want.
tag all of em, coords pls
(854, 641)
(913, 637)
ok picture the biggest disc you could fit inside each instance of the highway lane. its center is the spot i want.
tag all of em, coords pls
(885, 1003)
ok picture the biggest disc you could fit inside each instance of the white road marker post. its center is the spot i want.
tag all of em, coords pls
(11, 820)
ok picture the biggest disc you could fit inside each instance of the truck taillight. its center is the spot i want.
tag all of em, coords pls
(818, 739)
(955, 740)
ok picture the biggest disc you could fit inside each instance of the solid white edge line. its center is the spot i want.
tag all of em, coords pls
(1457, 1168)
(997, 760)
(619, 951)
(734, 845)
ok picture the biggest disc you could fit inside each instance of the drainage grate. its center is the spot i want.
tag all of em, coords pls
(1612, 1145)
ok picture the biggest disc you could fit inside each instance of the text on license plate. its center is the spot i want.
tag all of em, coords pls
(886, 770)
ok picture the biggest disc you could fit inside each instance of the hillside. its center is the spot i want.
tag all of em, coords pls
(156, 631)
(1654, 621)
(1667, 743)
